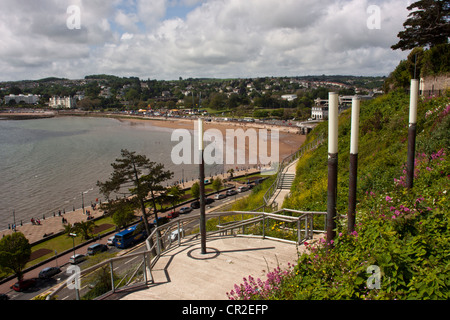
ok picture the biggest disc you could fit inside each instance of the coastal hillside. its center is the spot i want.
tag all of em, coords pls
(401, 235)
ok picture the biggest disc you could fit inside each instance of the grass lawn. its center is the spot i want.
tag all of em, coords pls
(63, 242)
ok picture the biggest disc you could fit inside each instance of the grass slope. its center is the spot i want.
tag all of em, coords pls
(401, 235)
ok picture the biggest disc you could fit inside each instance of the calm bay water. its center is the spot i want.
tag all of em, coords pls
(46, 164)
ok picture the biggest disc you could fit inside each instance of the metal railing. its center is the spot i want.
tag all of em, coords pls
(135, 270)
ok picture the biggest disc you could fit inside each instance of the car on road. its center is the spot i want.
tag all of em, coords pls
(196, 204)
(231, 192)
(219, 196)
(23, 285)
(243, 188)
(173, 215)
(96, 248)
(185, 210)
(77, 258)
(173, 236)
(49, 272)
(110, 241)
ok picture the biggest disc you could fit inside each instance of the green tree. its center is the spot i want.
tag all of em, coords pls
(153, 183)
(129, 173)
(15, 251)
(85, 228)
(217, 184)
(122, 212)
(195, 190)
(175, 195)
(427, 25)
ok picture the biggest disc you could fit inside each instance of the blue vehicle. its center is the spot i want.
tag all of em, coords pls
(130, 236)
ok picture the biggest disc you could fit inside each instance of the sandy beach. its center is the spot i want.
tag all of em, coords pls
(289, 140)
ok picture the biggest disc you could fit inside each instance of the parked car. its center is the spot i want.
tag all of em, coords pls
(173, 215)
(173, 236)
(110, 241)
(77, 258)
(96, 248)
(218, 196)
(231, 192)
(49, 272)
(195, 204)
(185, 210)
(243, 188)
(23, 285)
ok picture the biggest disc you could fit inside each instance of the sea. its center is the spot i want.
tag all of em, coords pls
(51, 165)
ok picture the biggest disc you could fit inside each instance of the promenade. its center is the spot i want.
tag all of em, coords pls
(52, 225)
(183, 273)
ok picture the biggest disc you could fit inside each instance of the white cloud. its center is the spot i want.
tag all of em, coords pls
(217, 38)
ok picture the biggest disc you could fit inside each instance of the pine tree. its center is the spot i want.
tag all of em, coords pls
(427, 25)
(139, 175)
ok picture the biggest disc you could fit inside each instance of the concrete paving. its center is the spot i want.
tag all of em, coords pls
(184, 273)
(280, 194)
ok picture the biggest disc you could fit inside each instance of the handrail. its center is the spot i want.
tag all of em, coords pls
(177, 225)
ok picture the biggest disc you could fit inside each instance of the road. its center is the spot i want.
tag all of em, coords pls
(66, 294)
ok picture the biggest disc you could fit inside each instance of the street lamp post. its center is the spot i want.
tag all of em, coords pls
(82, 201)
(412, 130)
(353, 165)
(73, 235)
(333, 110)
(202, 187)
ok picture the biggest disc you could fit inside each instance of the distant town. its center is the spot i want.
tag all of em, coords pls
(282, 98)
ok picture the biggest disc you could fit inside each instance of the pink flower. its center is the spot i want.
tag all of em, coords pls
(388, 199)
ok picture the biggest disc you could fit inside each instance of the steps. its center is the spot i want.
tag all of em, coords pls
(286, 180)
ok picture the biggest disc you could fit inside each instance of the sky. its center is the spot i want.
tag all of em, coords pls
(168, 39)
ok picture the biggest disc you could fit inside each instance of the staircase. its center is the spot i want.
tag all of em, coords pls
(286, 181)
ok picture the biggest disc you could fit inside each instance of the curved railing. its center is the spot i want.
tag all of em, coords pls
(130, 271)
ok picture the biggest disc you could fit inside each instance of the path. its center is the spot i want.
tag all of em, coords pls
(183, 273)
(284, 188)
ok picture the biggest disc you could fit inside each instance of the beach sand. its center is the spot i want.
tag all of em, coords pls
(289, 138)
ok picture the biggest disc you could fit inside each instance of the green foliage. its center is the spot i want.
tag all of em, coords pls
(15, 251)
(402, 232)
(427, 25)
(255, 200)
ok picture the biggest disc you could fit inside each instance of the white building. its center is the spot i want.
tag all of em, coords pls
(58, 102)
(319, 112)
(289, 97)
(320, 109)
(28, 99)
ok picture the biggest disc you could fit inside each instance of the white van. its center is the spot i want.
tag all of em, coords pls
(173, 236)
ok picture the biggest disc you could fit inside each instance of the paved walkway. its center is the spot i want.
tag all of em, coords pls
(280, 194)
(184, 273)
(51, 225)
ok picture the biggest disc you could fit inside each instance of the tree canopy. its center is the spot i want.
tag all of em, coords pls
(139, 175)
(427, 25)
(15, 251)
